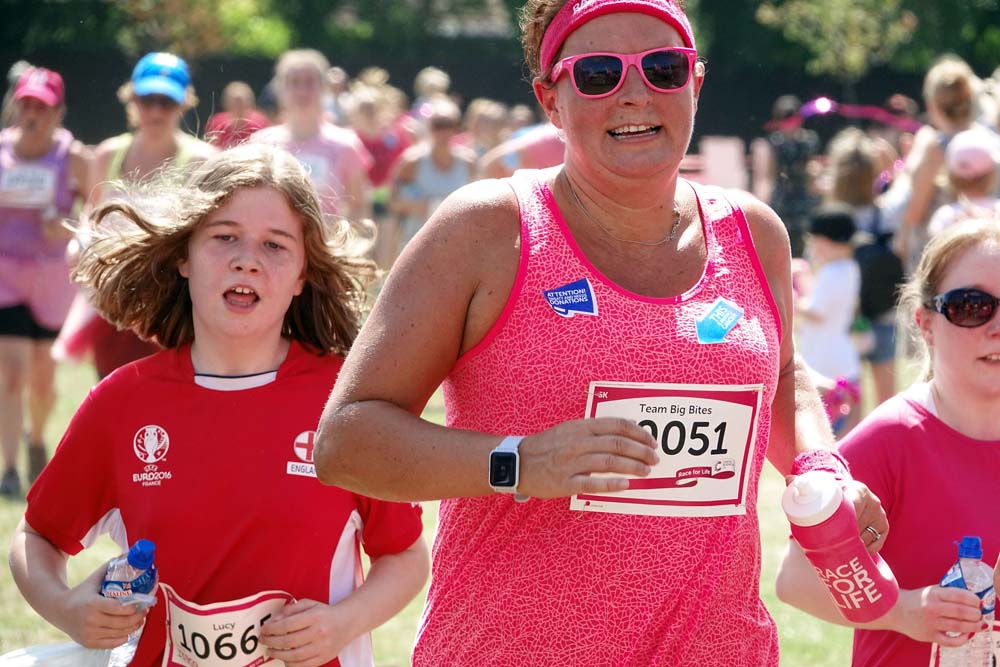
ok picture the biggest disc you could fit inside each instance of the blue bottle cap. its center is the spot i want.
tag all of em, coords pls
(971, 547)
(140, 556)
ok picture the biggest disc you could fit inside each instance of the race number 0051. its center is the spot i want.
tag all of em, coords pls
(674, 436)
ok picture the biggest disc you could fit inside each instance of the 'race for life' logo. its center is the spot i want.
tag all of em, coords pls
(150, 444)
(305, 442)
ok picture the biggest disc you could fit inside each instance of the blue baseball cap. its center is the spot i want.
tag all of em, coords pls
(161, 74)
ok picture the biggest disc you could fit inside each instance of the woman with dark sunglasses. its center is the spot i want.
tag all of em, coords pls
(932, 454)
(615, 347)
(156, 97)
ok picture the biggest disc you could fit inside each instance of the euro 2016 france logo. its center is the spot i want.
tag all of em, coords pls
(150, 444)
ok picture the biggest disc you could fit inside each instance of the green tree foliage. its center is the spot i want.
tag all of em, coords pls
(29, 25)
(250, 28)
(187, 27)
(194, 28)
(846, 37)
(319, 23)
(969, 28)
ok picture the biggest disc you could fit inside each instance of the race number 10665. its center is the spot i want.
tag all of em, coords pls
(674, 437)
(225, 646)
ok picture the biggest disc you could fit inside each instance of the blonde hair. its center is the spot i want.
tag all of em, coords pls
(853, 163)
(950, 86)
(939, 255)
(431, 81)
(297, 58)
(132, 263)
(236, 89)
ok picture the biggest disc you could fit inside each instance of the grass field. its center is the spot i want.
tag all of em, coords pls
(805, 642)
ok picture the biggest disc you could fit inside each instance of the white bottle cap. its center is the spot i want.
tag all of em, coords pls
(812, 498)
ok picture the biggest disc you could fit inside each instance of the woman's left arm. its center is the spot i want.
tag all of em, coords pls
(310, 633)
(798, 421)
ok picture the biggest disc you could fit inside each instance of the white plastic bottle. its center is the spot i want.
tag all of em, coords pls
(130, 580)
(971, 573)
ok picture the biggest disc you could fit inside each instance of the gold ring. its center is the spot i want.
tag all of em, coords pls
(878, 535)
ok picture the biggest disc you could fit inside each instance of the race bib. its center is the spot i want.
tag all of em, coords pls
(706, 435)
(28, 186)
(222, 634)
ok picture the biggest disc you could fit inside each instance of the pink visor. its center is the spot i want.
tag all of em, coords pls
(575, 13)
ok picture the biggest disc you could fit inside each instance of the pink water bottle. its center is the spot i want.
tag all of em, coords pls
(826, 527)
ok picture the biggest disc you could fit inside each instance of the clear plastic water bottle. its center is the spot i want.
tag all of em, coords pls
(825, 526)
(971, 573)
(130, 580)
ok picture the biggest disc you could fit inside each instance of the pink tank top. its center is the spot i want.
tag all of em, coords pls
(538, 584)
(29, 189)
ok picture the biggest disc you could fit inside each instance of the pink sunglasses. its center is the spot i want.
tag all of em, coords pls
(597, 75)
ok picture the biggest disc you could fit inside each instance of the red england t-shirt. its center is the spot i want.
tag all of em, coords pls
(221, 480)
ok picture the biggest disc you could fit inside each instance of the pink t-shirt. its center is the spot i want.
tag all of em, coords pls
(333, 158)
(538, 584)
(225, 130)
(936, 486)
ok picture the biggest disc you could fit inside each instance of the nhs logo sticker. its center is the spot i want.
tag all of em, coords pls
(575, 298)
(719, 321)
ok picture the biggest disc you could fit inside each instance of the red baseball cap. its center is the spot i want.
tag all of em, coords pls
(41, 84)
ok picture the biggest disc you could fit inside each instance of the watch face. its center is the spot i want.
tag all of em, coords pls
(503, 469)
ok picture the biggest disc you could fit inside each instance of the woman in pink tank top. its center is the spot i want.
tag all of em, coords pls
(44, 171)
(610, 339)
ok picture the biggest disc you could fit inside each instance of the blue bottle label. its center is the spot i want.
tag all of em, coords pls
(124, 590)
(954, 578)
(989, 600)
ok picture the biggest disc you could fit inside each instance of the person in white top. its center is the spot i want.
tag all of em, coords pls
(971, 159)
(825, 313)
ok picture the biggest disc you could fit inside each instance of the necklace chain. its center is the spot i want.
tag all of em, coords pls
(671, 235)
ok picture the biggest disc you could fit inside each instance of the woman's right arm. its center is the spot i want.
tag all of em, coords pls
(442, 297)
(924, 614)
(39, 570)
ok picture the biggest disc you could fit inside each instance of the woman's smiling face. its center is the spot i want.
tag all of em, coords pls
(636, 131)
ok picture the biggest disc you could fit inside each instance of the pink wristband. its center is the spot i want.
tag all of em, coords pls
(821, 459)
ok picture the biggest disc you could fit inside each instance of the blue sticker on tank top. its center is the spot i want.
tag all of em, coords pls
(573, 298)
(718, 322)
